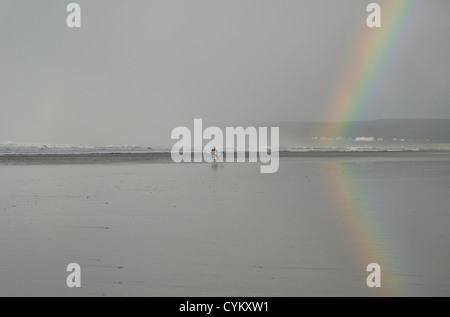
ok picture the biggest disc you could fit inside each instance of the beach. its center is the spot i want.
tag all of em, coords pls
(140, 225)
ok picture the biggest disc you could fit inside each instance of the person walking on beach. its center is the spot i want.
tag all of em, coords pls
(214, 153)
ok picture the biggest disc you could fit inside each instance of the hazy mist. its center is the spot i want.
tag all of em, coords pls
(136, 69)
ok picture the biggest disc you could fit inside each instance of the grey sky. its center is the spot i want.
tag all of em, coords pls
(136, 69)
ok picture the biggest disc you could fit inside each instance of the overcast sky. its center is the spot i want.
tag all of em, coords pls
(137, 69)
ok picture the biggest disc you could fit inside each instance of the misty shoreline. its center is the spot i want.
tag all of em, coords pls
(165, 157)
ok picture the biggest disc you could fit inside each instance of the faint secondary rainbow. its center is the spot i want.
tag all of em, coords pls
(370, 58)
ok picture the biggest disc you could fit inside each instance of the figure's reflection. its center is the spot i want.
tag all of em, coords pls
(216, 167)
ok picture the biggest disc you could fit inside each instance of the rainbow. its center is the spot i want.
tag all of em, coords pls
(371, 56)
(363, 226)
(354, 210)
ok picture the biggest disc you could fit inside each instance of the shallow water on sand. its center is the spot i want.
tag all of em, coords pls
(164, 229)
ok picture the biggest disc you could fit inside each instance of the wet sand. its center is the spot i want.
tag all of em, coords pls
(143, 226)
(165, 157)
